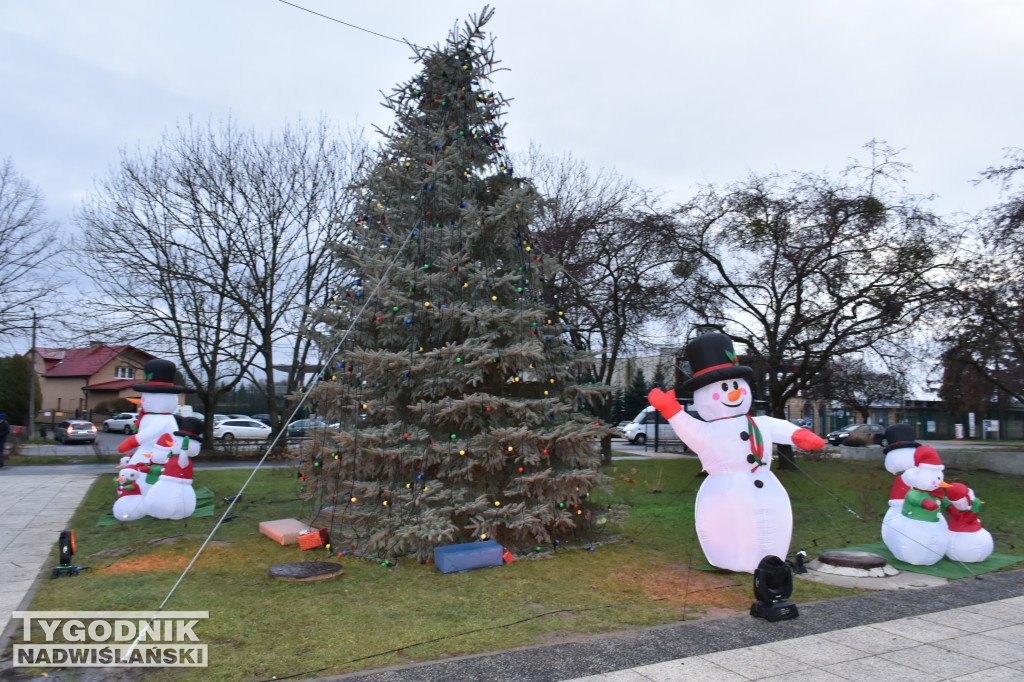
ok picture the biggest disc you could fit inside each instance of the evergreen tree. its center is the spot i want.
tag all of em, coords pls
(636, 395)
(463, 409)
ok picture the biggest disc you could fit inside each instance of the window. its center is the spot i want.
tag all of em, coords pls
(124, 372)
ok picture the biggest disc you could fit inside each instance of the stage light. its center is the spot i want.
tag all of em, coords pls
(66, 546)
(773, 585)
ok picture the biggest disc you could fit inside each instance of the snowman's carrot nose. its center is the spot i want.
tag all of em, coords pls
(735, 395)
(943, 484)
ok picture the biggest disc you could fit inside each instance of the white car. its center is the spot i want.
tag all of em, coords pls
(123, 422)
(230, 429)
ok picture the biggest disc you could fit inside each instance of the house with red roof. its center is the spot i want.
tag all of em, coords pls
(75, 382)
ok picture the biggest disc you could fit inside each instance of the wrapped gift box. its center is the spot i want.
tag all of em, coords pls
(283, 531)
(316, 537)
(468, 556)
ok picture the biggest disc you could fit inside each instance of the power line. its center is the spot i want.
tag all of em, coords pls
(345, 23)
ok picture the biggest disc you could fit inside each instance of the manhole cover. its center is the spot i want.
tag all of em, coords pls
(305, 571)
(851, 559)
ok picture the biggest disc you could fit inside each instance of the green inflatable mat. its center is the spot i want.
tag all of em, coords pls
(945, 568)
(204, 507)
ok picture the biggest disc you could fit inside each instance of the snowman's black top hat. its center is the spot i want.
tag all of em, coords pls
(159, 377)
(713, 358)
(899, 436)
(191, 427)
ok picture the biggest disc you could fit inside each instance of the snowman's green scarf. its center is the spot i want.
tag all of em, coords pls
(756, 442)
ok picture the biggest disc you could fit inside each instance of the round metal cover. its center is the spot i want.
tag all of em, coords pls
(305, 571)
(852, 559)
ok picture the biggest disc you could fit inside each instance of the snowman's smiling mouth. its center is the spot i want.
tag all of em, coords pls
(732, 404)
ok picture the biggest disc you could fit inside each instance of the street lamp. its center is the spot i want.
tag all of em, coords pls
(32, 382)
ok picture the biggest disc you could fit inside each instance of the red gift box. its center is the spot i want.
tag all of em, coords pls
(314, 538)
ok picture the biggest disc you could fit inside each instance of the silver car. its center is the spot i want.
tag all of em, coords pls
(75, 431)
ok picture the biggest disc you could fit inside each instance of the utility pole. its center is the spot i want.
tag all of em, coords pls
(32, 383)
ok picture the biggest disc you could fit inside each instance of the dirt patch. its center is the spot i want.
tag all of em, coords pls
(679, 585)
(148, 564)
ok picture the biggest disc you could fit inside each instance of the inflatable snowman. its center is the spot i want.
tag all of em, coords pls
(968, 541)
(742, 510)
(899, 456)
(919, 533)
(128, 506)
(172, 496)
(159, 396)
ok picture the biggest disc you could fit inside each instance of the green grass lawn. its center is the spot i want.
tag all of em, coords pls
(260, 627)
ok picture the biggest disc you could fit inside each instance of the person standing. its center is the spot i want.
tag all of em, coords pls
(5, 429)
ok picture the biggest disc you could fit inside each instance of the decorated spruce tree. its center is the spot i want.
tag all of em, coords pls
(463, 410)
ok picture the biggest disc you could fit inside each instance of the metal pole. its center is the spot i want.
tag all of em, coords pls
(32, 383)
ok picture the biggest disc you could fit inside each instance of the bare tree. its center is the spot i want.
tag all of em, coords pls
(27, 241)
(615, 248)
(215, 243)
(806, 269)
(856, 386)
(985, 323)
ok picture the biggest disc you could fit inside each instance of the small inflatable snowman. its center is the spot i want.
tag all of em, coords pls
(128, 505)
(742, 510)
(919, 533)
(172, 496)
(899, 456)
(968, 541)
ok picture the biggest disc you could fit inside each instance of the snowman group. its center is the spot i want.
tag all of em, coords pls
(914, 529)
(742, 511)
(156, 480)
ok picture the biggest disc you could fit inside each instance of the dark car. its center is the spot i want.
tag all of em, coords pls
(304, 428)
(75, 431)
(872, 433)
(265, 418)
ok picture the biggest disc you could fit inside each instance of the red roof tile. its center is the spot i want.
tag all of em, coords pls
(84, 362)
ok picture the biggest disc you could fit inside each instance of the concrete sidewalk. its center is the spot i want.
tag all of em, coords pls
(965, 630)
(34, 509)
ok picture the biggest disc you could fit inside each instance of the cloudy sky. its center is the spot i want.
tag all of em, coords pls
(669, 93)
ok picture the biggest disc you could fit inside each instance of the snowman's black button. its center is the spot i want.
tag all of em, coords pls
(759, 483)
(744, 435)
(751, 459)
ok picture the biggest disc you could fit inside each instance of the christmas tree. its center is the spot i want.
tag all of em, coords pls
(462, 408)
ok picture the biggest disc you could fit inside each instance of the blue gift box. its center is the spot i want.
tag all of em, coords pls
(468, 556)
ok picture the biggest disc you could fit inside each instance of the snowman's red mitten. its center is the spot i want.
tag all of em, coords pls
(807, 440)
(665, 403)
(930, 505)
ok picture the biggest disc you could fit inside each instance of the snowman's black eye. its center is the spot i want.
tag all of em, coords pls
(725, 385)
(735, 385)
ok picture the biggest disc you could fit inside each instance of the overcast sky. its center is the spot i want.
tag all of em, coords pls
(669, 93)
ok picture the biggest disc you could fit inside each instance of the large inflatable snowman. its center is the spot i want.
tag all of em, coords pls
(919, 533)
(899, 456)
(968, 541)
(159, 396)
(742, 510)
(172, 496)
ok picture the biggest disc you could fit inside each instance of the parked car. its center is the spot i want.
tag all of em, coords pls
(641, 429)
(230, 429)
(873, 433)
(304, 428)
(75, 431)
(265, 418)
(241, 416)
(124, 422)
(217, 418)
